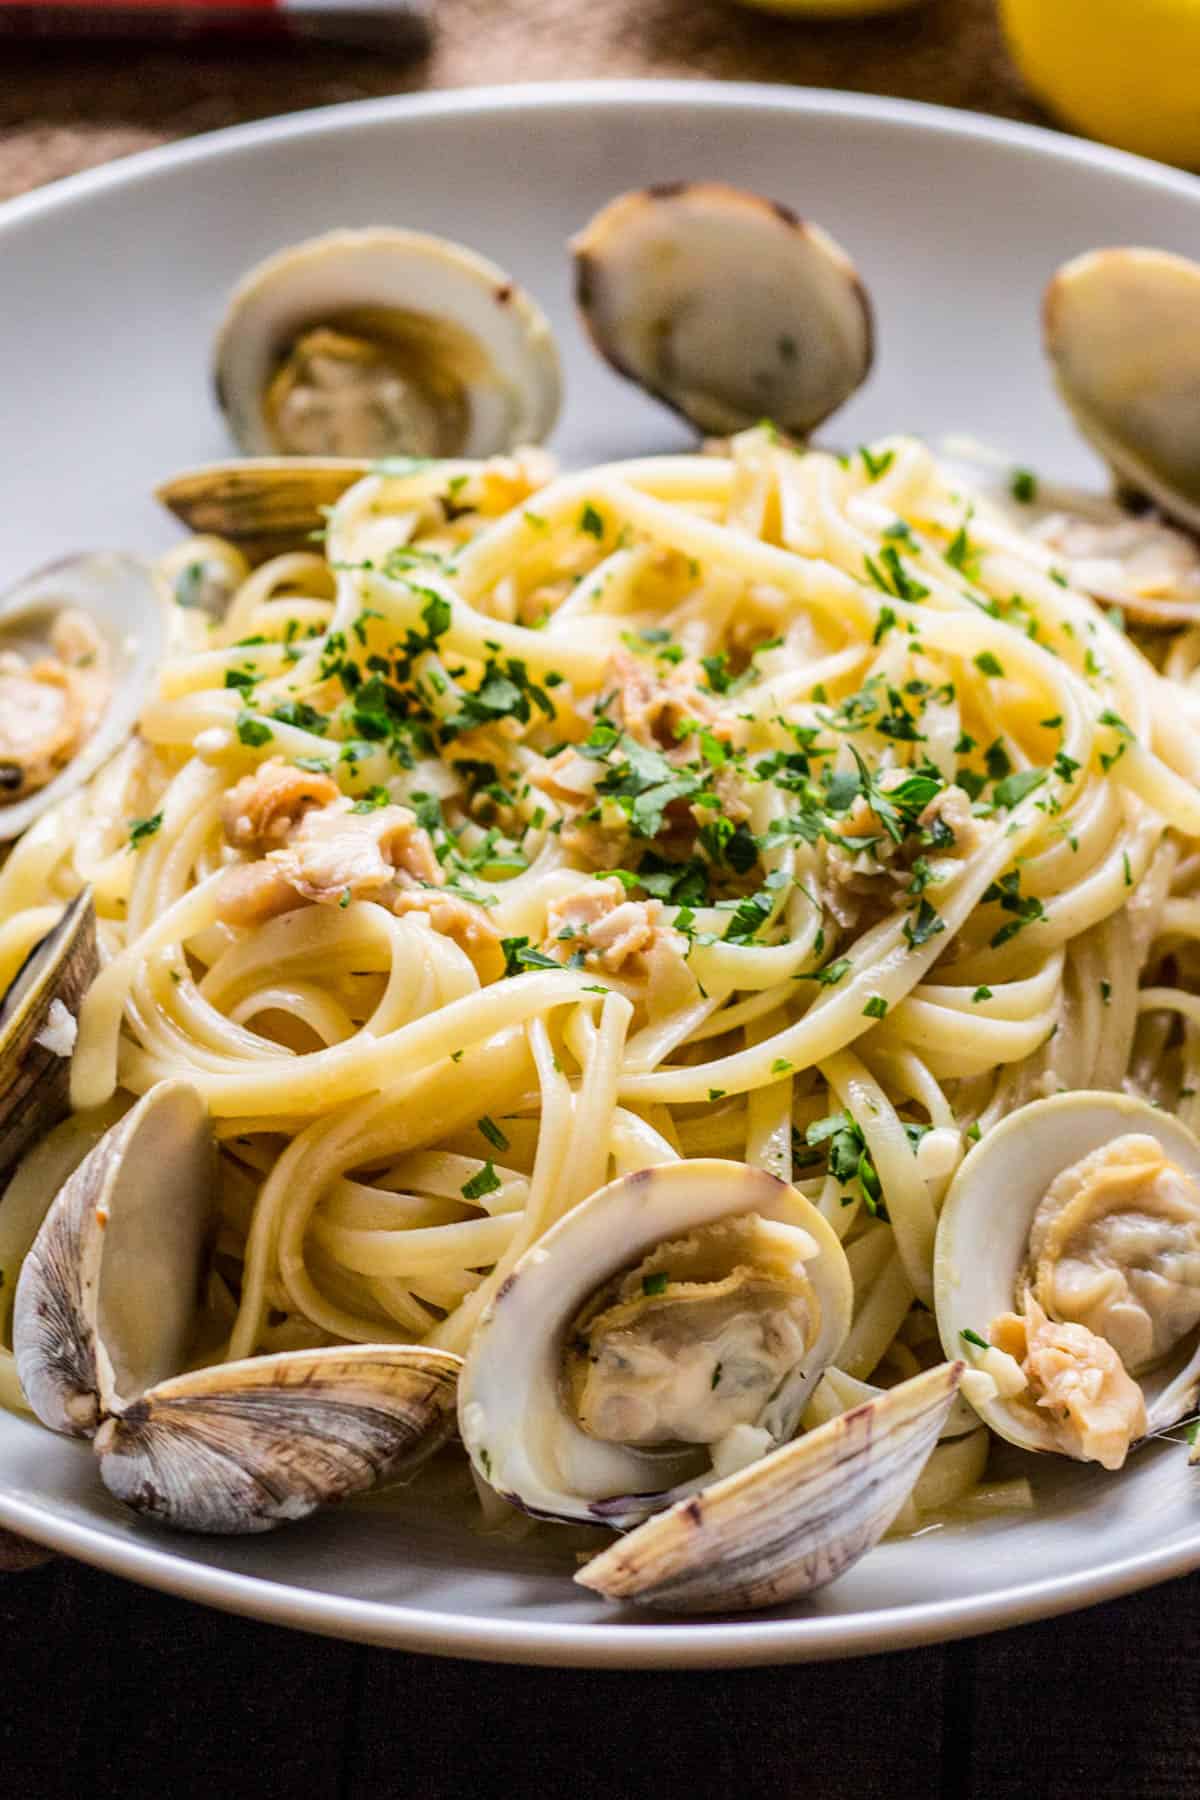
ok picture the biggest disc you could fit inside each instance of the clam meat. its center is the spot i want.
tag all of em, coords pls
(1067, 1270)
(106, 1317)
(382, 343)
(724, 305)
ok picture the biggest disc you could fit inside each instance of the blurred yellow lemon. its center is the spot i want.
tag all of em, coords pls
(829, 9)
(1126, 71)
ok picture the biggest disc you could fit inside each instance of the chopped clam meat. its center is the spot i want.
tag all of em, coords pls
(263, 810)
(59, 1032)
(337, 852)
(608, 928)
(252, 893)
(461, 920)
(1115, 1247)
(653, 701)
(1095, 1408)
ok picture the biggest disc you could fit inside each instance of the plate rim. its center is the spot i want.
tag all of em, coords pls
(593, 1645)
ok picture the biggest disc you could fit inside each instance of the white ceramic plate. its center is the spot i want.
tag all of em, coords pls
(110, 286)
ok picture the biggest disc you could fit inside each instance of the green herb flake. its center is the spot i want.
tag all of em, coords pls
(981, 993)
(1023, 486)
(973, 1337)
(876, 1007)
(253, 732)
(655, 1284)
(142, 829)
(592, 522)
(876, 465)
(987, 664)
(485, 1182)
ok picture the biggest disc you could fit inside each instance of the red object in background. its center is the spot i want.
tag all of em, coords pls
(396, 25)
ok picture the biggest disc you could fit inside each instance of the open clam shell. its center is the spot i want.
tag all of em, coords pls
(384, 342)
(107, 1299)
(37, 1022)
(789, 1524)
(117, 595)
(247, 1446)
(1122, 331)
(520, 1412)
(724, 305)
(984, 1265)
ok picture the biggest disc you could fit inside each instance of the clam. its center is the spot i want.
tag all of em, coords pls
(37, 1029)
(724, 305)
(673, 1323)
(1067, 1269)
(106, 1316)
(1122, 331)
(384, 342)
(80, 642)
(790, 1524)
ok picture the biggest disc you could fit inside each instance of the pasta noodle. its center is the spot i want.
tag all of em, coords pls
(902, 830)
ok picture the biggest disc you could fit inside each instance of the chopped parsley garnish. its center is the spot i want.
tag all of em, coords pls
(973, 1337)
(1024, 908)
(1023, 486)
(492, 1132)
(253, 732)
(848, 1156)
(1015, 787)
(485, 1182)
(876, 465)
(142, 829)
(924, 925)
(876, 1007)
(655, 1284)
(520, 954)
(987, 664)
(981, 993)
(591, 521)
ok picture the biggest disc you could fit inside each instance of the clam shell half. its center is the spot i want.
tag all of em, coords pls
(724, 305)
(473, 351)
(789, 1524)
(35, 1077)
(118, 594)
(1122, 331)
(247, 1446)
(108, 1296)
(983, 1237)
(512, 1413)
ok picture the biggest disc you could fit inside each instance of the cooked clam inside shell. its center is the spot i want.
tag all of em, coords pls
(697, 1339)
(55, 681)
(1110, 1288)
(375, 382)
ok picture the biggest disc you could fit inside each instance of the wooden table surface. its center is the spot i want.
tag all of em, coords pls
(109, 1690)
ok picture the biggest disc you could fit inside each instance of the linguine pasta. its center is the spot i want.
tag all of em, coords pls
(763, 805)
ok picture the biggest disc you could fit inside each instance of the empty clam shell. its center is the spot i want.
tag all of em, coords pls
(789, 1524)
(384, 342)
(107, 1298)
(724, 305)
(59, 717)
(247, 1446)
(37, 1022)
(1122, 330)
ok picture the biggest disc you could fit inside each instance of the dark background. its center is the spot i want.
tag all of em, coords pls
(108, 1691)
